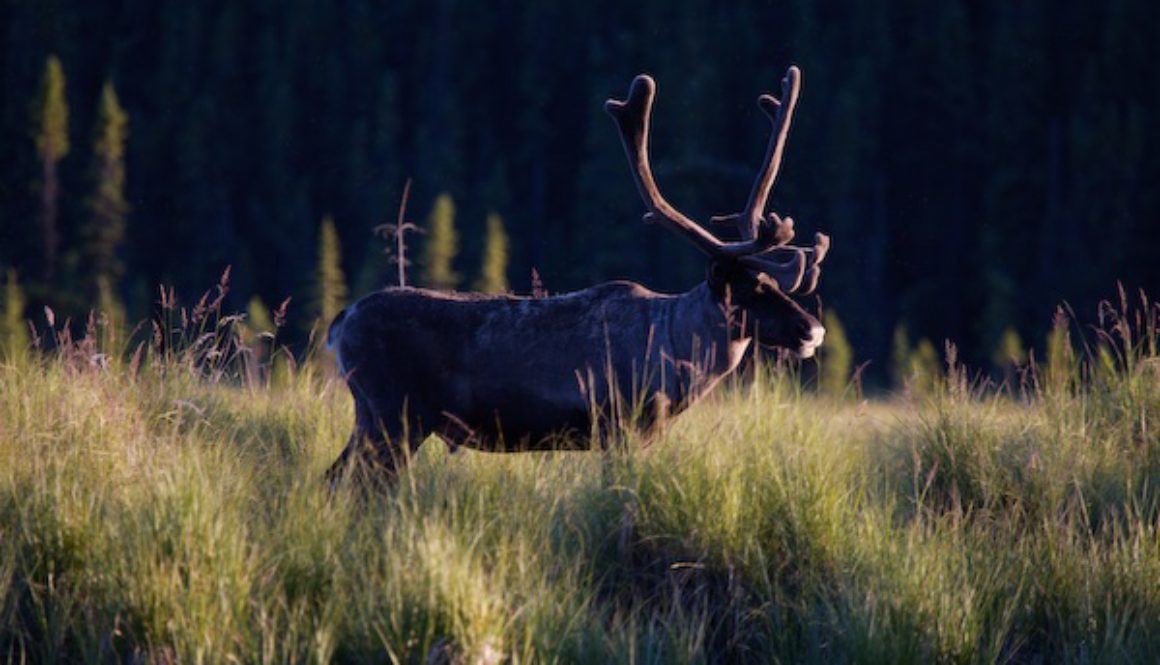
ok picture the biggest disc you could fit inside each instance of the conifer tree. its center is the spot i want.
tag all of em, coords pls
(493, 271)
(257, 333)
(915, 369)
(1060, 371)
(107, 205)
(14, 332)
(442, 246)
(900, 355)
(837, 357)
(51, 146)
(924, 368)
(1011, 352)
(113, 311)
(331, 283)
(258, 317)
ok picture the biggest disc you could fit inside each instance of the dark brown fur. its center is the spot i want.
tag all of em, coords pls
(508, 373)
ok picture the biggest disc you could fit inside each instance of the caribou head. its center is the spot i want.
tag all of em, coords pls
(510, 373)
(759, 272)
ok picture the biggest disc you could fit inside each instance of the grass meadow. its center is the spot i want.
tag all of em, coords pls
(165, 505)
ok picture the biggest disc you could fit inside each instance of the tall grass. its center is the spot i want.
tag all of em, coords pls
(168, 507)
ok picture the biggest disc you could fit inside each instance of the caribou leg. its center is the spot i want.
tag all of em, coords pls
(377, 449)
(349, 452)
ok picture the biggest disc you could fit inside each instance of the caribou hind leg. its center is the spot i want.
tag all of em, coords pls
(377, 449)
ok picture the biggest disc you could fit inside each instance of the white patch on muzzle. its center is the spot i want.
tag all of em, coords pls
(810, 346)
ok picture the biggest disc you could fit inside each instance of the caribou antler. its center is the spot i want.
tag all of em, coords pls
(763, 247)
(794, 269)
(633, 117)
(753, 221)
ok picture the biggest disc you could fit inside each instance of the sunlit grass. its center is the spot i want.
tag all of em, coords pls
(156, 513)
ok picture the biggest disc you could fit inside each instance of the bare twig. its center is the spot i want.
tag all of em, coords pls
(538, 290)
(399, 230)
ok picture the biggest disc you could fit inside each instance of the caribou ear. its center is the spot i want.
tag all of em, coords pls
(717, 275)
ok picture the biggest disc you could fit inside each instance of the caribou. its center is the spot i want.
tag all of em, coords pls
(505, 373)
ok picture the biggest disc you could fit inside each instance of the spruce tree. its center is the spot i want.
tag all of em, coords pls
(837, 357)
(330, 289)
(258, 317)
(258, 331)
(925, 371)
(113, 310)
(915, 369)
(51, 146)
(1010, 355)
(13, 329)
(442, 246)
(107, 205)
(493, 271)
(900, 356)
(1061, 370)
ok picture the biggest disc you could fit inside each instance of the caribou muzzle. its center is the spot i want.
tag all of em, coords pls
(810, 345)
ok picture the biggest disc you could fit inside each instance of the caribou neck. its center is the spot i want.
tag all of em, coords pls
(705, 342)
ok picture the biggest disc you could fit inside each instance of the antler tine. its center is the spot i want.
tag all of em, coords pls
(633, 117)
(752, 221)
(786, 266)
(794, 269)
(814, 272)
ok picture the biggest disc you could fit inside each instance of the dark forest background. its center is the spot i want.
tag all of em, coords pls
(975, 163)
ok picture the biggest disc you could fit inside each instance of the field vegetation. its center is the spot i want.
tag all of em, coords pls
(162, 502)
